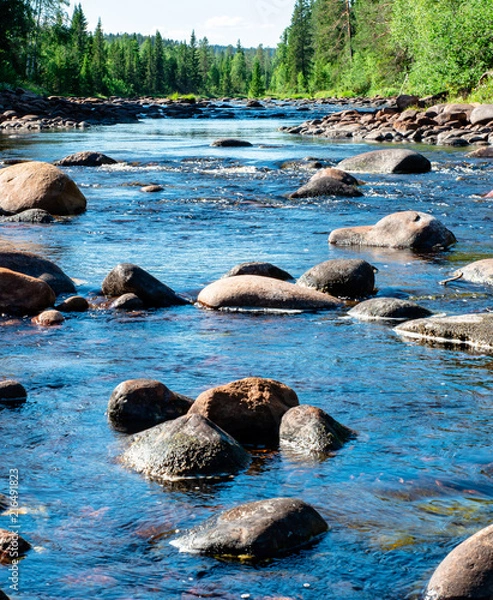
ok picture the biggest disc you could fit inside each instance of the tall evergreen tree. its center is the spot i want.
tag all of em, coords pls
(300, 44)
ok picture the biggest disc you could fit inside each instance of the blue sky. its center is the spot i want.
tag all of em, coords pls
(222, 21)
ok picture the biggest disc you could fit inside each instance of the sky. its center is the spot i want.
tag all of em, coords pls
(223, 22)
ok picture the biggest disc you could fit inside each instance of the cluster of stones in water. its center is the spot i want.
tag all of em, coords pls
(208, 442)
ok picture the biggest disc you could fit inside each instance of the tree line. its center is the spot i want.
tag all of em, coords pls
(41, 45)
(331, 47)
(385, 46)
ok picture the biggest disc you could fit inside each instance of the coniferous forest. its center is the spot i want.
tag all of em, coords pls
(332, 48)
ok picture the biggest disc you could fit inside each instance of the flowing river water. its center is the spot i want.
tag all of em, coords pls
(416, 481)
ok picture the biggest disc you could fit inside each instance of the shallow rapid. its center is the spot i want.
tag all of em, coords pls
(416, 481)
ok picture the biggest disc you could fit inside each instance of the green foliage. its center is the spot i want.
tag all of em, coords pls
(339, 47)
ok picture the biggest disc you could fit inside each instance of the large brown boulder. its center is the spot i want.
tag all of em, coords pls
(310, 430)
(407, 229)
(397, 161)
(137, 404)
(252, 291)
(187, 448)
(36, 266)
(23, 295)
(344, 278)
(250, 409)
(479, 271)
(85, 159)
(257, 530)
(39, 185)
(326, 186)
(470, 330)
(127, 278)
(466, 573)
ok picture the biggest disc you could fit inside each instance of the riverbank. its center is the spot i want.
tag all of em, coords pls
(22, 110)
(407, 119)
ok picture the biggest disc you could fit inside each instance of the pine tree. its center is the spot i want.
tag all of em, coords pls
(99, 64)
(257, 85)
(300, 43)
(239, 72)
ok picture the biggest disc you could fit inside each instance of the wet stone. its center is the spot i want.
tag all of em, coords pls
(256, 531)
(11, 390)
(138, 404)
(189, 447)
(390, 309)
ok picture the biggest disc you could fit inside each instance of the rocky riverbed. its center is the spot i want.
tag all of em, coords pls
(407, 119)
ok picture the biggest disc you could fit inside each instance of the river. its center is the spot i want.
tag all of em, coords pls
(417, 479)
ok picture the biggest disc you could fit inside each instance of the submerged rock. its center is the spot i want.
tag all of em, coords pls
(86, 159)
(32, 215)
(344, 278)
(262, 269)
(257, 530)
(397, 161)
(326, 186)
(151, 189)
(188, 447)
(407, 229)
(473, 330)
(310, 430)
(36, 266)
(466, 573)
(23, 295)
(249, 409)
(137, 404)
(4, 503)
(11, 390)
(128, 278)
(391, 309)
(252, 291)
(231, 143)
(39, 185)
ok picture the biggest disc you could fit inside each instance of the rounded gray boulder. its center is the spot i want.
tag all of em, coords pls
(396, 161)
(343, 278)
(262, 269)
(138, 404)
(127, 278)
(189, 447)
(389, 309)
(256, 531)
(310, 430)
(326, 186)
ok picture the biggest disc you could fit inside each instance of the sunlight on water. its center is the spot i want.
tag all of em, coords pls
(416, 480)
